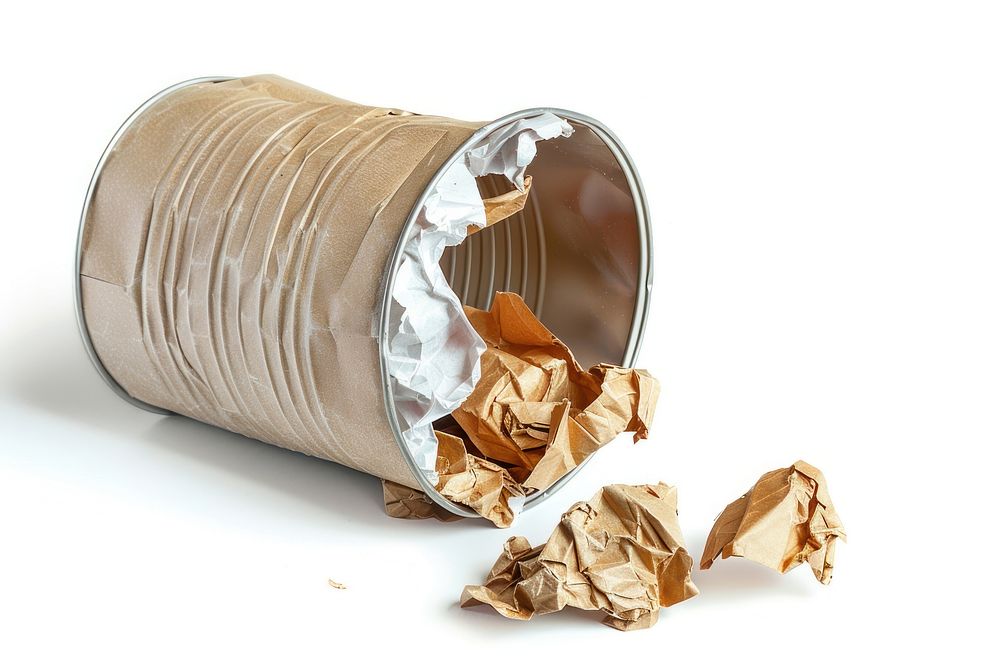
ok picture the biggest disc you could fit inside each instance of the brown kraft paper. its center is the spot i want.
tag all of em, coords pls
(534, 411)
(784, 520)
(622, 553)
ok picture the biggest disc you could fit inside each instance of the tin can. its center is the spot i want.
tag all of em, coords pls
(189, 304)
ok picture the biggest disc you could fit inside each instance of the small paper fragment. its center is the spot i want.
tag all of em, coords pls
(463, 478)
(402, 502)
(622, 553)
(480, 485)
(503, 206)
(784, 520)
(336, 584)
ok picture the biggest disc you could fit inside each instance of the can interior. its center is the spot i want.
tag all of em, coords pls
(575, 253)
(578, 253)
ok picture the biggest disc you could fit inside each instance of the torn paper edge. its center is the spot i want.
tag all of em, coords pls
(433, 351)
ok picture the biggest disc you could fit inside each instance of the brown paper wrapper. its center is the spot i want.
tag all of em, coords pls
(234, 252)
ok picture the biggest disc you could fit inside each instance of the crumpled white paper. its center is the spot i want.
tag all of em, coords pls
(433, 355)
(509, 150)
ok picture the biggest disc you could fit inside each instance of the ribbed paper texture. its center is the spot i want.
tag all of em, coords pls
(234, 254)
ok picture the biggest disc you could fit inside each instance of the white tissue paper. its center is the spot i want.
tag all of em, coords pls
(509, 150)
(433, 355)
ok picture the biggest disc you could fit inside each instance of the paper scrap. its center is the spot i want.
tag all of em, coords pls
(463, 478)
(402, 502)
(785, 519)
(534, 408)
(503, 206)
(621, 553)
(336, 584)
(480, 485)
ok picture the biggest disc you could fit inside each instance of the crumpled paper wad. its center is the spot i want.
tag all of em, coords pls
(621, 553)
(787, 518)
(535, 409)
(480, 485)
(534, 416)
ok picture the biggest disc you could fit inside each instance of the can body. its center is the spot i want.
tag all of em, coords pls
(235, 250)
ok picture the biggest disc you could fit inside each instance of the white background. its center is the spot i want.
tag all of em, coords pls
(824, 180)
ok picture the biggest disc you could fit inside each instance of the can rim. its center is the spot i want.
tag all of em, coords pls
(639, 315)
(81, 321)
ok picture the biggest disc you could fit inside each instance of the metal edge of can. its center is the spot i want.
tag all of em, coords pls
(81, 322)
(643, 288)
